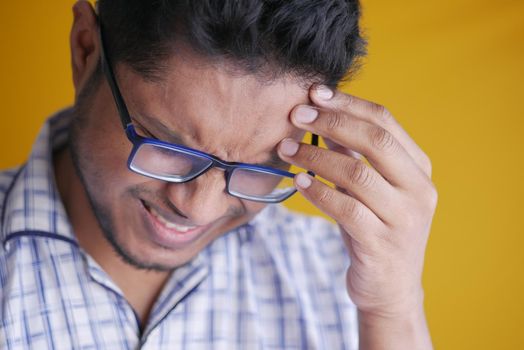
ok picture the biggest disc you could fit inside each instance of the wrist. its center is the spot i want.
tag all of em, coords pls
(404, 328)
(394, 306)
(378, 318)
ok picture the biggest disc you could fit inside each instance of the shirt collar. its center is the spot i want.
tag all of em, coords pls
(33, 205)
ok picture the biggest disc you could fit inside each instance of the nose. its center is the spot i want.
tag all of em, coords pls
(202, 200)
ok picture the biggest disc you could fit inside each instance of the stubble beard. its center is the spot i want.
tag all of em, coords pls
(101, 211)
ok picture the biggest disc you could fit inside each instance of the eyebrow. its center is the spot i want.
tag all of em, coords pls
(274, 160)
(170, 135)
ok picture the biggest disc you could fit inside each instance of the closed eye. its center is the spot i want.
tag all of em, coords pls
(144, 132)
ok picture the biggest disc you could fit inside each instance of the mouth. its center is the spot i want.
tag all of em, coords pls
(167, 233)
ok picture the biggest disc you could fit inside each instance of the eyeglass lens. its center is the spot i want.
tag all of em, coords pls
(177, 166)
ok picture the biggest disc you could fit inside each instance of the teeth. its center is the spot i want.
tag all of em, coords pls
(169, 224)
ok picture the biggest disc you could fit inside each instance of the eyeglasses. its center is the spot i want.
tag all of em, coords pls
(178, 164)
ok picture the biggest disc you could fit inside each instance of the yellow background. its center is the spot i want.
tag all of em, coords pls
(450, 71)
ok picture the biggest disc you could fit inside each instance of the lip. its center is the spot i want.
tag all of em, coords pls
(170, 237)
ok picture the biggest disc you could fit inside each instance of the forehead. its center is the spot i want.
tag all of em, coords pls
(211, 107)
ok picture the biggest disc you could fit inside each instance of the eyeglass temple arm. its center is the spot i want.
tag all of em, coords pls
(314, 142)
(314, 139)
(110, 76)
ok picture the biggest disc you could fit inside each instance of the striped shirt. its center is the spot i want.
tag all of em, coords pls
(277, 282)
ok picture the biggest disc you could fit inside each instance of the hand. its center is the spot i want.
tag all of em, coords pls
(384, 210)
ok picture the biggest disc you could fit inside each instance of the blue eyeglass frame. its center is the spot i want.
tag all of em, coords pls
(138, 141)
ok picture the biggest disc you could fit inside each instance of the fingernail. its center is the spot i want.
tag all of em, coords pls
(288, 147)
(324, 92)
(305, 114)
(302, 180)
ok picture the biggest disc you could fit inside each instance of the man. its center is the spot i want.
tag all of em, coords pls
(146, 215)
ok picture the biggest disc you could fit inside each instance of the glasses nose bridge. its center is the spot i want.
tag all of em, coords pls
(226, 167)
(217, 164)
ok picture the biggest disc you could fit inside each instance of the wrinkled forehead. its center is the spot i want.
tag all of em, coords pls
(236, 116)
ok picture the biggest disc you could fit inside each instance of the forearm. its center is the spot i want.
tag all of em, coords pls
(407, 332)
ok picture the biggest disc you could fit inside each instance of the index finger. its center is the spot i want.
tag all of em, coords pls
(373, 113)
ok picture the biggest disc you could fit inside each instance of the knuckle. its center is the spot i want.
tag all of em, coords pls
(335, 121)
(359, 174)
(381, 113)
(351, 209)
(325, 196)
(313, 155)
(426, 201)
(382, 139)
(348, 102)
(432, 196)
(427, 166)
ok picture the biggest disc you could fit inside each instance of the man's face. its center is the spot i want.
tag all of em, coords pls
(159, 225)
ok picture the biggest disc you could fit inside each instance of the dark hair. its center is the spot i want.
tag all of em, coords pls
(316, 40)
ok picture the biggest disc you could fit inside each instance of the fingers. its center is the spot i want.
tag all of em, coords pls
(348, 212)
(372, 113)
(353, 175)
(337, 148)
(379, 146)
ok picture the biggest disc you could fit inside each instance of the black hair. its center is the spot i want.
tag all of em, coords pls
(315, 40)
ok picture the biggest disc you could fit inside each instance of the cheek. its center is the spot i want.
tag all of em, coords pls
(253, 208)
(101, 156)
(106, 169)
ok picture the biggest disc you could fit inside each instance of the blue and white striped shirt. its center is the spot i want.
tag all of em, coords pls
(275, 283)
